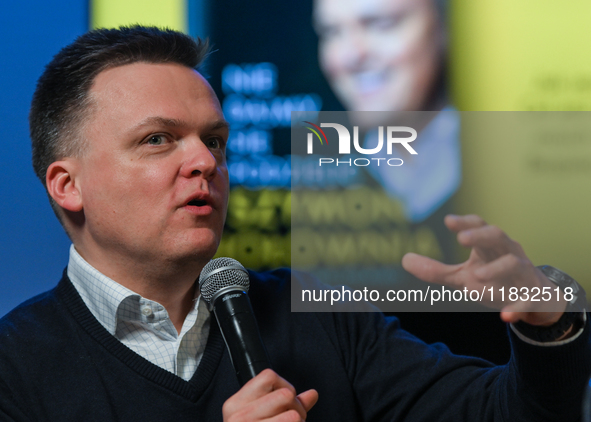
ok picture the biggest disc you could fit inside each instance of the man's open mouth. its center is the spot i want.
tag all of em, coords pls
(197, 202)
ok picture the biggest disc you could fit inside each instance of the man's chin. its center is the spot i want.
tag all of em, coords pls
(194, 259)
(368, 120)
(202, 246)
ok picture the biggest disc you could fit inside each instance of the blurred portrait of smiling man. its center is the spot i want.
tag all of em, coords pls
(385, 61)
(381, 55)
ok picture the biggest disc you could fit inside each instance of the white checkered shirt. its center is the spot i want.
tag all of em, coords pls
(141, 324)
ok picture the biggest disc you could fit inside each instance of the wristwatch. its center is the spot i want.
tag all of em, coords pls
(572, 316)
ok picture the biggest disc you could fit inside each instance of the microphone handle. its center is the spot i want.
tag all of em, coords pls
(241, 335)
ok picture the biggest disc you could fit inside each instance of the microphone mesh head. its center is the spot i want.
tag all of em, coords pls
(220, 273)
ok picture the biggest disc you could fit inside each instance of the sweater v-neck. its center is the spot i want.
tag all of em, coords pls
(190, 390)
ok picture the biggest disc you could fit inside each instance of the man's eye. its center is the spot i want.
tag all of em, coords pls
(385, 23)
(213, 143)
(156, 140)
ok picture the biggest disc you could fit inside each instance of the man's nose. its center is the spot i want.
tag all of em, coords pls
(354, 49)
(198, 159)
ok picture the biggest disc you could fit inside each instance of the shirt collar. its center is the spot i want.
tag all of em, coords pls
(104, 296)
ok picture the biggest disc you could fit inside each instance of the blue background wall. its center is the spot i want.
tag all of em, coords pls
(33, 247)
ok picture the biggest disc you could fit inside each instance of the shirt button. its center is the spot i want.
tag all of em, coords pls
(147, 311)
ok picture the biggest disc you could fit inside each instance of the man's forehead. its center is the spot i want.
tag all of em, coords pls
(126, 97)
(143, 72)
(145, 83)
(332, 11)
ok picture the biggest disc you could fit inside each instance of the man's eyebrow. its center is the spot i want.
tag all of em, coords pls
(220, 124)
(163, 121)
(159, 121)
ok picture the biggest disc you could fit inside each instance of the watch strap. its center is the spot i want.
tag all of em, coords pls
(552, 332)
(571, 317)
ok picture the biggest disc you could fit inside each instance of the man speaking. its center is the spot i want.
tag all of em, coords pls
(129, 140)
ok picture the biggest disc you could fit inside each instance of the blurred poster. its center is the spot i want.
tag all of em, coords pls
(378, 55)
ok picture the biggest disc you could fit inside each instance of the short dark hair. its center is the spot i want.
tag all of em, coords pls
(61, 101)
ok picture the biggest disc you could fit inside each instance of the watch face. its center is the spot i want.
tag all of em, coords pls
(556, 276)
(574, 292)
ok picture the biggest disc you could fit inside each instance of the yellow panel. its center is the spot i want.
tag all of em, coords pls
(521, 55)
(529, 173)
(113, 13)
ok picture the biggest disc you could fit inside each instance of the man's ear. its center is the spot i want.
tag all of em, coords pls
(62, 184)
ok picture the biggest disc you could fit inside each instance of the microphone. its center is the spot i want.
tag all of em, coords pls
(224, 283)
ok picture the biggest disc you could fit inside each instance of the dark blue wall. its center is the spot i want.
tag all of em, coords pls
(33, 247)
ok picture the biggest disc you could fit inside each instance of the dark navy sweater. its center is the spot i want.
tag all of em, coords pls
(57, 363)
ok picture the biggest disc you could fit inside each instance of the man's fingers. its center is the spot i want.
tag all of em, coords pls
(280, 401)
(427, 269)
(264, 383)
(308, 399)
(257, 389)
(490, 243)
(279, 404)
(506, 270)
(510, 317)
(458, 223)
(268, 397)
(485, 237)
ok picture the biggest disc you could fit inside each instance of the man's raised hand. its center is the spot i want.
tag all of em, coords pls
(496, 261)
